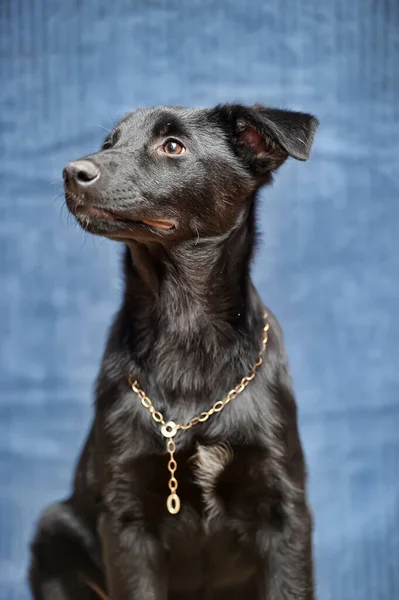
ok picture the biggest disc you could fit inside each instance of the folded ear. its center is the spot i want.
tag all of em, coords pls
(267, 136)
(294, 131)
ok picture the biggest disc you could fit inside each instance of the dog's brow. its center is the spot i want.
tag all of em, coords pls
(168, 126)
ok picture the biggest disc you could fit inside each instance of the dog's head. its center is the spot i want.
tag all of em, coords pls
(173, 173)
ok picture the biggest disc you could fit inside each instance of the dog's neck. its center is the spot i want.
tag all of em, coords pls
(195, 297)
(204, 279)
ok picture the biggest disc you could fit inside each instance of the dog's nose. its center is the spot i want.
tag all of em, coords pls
(81, 173)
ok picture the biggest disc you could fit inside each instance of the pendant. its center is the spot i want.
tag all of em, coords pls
(169, 430)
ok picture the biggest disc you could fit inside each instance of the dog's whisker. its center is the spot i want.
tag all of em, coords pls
(102, 127)
(58, 196)
(83, 243)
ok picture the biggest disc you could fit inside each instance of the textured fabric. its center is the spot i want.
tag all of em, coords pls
(328, 264)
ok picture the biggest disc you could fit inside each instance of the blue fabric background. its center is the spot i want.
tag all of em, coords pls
(328, 265)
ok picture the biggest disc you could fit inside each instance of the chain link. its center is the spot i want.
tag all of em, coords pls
(146, 402)
(170, 429)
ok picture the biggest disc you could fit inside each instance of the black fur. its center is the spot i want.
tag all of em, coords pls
(189, 328)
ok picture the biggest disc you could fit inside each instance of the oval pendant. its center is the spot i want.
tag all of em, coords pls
(169, 430)
(173, 504)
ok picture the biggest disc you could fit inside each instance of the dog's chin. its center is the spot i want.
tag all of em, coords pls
(121, 226)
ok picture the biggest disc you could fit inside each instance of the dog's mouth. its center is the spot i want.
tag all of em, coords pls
(96, 214)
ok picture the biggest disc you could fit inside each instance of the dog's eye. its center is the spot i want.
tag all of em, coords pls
(173, 147)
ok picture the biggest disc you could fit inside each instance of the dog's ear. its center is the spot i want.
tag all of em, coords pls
(265, 137)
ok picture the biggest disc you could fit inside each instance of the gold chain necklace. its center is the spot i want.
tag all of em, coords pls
(169, 428)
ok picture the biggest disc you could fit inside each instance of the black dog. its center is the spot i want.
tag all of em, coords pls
(178, 188)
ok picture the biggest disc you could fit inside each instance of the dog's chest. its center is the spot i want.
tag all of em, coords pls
(227, 494)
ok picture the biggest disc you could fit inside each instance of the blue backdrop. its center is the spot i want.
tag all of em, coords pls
(328, 265)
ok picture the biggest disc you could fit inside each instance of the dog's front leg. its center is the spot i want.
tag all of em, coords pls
(135, 561)
(287, 558)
